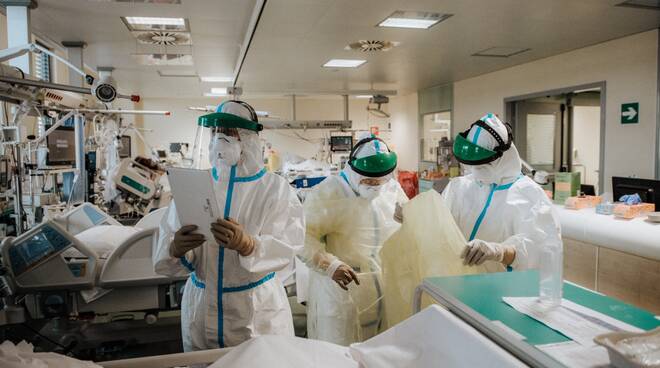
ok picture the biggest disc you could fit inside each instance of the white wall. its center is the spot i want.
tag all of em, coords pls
(405, 131)
(181, 126)
(586, 142)
(629, 67)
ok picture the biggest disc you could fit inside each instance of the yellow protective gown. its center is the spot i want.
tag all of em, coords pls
(429, 243)
(343, 227)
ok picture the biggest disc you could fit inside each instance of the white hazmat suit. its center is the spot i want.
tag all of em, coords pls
(496, 204)
(230, 298)
(347, 224)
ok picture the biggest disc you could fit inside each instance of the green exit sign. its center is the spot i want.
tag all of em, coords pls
(630, 113)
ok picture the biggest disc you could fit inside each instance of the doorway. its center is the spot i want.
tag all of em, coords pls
(562, 130)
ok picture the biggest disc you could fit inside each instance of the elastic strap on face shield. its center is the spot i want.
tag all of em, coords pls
(499, 150)
(253, 113)
(501, 144)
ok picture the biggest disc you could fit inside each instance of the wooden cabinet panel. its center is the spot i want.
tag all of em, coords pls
(580, 263)
(631, 278)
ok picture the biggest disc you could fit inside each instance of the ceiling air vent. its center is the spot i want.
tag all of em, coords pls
(371, 46)
(163, 38)
(501, 52)
(643, 4)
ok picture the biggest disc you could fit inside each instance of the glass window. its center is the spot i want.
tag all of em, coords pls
(436, 126)
(42, 67)
(541, 139)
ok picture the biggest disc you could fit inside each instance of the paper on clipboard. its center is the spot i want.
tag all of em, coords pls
(193, 193)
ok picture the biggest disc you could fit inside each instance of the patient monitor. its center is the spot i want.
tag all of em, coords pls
(36, 262)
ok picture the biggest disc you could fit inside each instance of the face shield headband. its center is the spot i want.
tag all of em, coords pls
(470, 153)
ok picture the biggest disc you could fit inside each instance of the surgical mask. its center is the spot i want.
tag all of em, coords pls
(485, 173)
(225, 150)
(369, 191)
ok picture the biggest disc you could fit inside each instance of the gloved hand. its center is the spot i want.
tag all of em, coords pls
(230, 234)
(398, 213)
(479, 251)
(343, 276)
(185, 240)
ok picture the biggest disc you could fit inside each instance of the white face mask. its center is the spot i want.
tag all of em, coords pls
(224, 151)
(369, 191)
(486, 173)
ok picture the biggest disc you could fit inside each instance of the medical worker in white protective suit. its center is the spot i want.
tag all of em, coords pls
(348, 218)
(506, 217)
(232, 294)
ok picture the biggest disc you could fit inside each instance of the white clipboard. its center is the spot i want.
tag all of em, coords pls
(193, 193)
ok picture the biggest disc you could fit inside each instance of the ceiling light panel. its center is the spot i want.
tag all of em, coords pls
(156, 24)
(501, 52)
(343, 63)
(177, 74)
(413, 19)
(219, 91)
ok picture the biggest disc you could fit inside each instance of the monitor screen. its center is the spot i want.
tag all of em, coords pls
(125, 149)
(648, 189)
(341, 143)
(61, 146)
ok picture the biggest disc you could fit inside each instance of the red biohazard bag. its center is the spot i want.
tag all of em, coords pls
(409, 183)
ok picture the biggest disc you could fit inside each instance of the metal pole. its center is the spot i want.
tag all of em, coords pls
(79, 126)
(18, 191)
(293, 107)
(345, 107)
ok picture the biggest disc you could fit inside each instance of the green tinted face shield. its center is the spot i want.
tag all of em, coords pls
(224, 120)
(469, 153)
(374, 166)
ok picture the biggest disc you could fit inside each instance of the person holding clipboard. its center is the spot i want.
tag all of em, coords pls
(232, 293)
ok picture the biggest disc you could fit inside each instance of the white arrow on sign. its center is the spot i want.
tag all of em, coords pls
(630, 114)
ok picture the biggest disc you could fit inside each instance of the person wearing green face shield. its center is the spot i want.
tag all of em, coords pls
(505, 216)
(348, 219)
(232, 293)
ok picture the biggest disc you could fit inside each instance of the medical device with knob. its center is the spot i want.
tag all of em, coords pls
(63, 279)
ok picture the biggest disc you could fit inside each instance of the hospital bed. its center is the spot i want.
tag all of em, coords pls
(84, 268)
(432, 338)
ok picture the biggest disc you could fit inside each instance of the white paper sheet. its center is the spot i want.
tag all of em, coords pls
(195, 198)
(579, 323)
(574, 355)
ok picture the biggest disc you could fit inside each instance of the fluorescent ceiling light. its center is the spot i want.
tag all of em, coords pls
(154, 21)
(412, 19)
(217, 79)
(221, 91)
(363, 96)
(156, 24)
(343, 63)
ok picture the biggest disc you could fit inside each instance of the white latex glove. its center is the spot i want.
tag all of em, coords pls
(479, 251)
